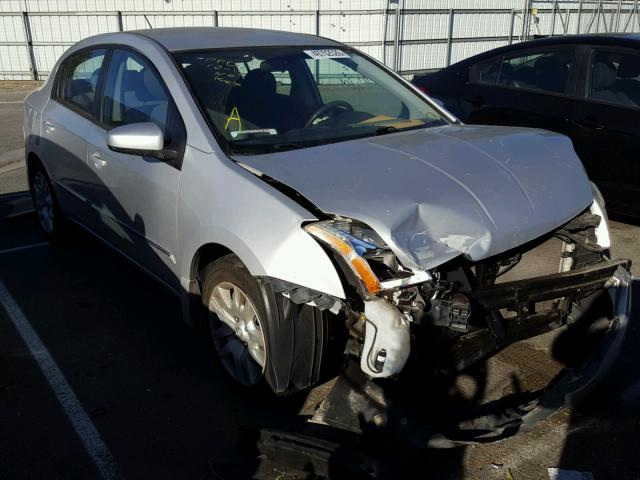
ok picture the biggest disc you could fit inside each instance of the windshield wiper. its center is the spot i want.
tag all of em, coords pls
(386, 129)
(286, 146)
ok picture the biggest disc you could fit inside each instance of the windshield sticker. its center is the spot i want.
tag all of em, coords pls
(234, 116)
(326, 53)
(259, 131)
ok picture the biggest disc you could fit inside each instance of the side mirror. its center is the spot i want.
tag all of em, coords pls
(143, 138)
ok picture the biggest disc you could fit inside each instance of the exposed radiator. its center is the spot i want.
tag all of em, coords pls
(548, 258)
(552, 256)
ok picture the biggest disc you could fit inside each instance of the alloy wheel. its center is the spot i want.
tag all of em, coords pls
(43, 199)
(238, 336)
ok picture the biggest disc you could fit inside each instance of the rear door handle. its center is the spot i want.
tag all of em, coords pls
(98, 161)
(590, 123)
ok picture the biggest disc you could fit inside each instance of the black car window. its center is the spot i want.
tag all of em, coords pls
(485, 71)
(545, 70)
(615, 77)
(78, 79)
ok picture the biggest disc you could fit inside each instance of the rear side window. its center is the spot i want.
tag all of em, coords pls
(545, 70)
(615, 77)
(78, 80)
(485, 71)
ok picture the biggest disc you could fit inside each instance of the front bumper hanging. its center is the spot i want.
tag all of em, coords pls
(359, 417)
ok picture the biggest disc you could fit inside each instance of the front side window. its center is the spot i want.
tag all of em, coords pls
(79, 79)
(544, 70)
(267, 99)
(133, 92)
(615, 77)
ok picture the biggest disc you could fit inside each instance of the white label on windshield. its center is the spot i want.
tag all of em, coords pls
(326, 53)
(260, 131)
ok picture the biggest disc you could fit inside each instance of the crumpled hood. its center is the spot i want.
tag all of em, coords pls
(436, 193)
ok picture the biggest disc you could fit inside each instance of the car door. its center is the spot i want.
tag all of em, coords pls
(606, 128)
(136, 196)
(527, 88)
(65, 122)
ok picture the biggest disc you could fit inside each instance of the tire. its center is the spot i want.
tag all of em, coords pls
(282, 345)
(50, 216)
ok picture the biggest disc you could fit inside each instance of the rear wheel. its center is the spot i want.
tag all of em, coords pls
(47, 208)
(260, 335)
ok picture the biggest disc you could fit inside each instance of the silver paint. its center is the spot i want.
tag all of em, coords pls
(136, 136)
(433, 194)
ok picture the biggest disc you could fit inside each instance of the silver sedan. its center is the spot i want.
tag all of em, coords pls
(304, 201)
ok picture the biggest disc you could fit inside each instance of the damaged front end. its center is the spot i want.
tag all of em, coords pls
(462, 311)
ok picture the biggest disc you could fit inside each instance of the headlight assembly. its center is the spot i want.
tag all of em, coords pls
(350, 240)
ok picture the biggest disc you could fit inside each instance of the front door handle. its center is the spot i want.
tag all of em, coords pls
(98, 161)
(49, 127)
(590, 123)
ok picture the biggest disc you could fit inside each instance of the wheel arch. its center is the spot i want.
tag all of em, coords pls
(192, 309)
(34, 159)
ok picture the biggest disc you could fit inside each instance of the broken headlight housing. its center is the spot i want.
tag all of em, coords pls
(367, 256)
(602, 230)
(351, 241)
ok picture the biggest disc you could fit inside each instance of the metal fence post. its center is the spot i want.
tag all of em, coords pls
(215, 18)
(29, 38)
(119, 19)
(450, 37)
(384, 33)
(511, 22)
(579, 17)
(396, 40)
(553, 18)
(317, 22)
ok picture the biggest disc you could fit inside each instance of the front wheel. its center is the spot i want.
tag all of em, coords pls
(260, 335)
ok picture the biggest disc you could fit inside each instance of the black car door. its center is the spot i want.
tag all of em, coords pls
(528, 88)
(605, 125)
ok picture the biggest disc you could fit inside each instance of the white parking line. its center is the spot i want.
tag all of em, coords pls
(14, 101)
(84, 427)
(23, 247)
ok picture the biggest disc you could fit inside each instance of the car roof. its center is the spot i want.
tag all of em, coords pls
(595, 38)
(614, 39)
(200, 38)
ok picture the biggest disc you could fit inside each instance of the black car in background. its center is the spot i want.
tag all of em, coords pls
(584, 86)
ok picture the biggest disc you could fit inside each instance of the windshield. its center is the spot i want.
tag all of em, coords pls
(267, 99)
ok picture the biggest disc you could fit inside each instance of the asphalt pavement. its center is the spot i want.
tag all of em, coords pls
(125, 379)
(162, 404)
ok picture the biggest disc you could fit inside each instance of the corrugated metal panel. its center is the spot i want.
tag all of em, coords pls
(13, 58)
(462, 50)
(12, 29)
(291, 23)
(424, 26)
